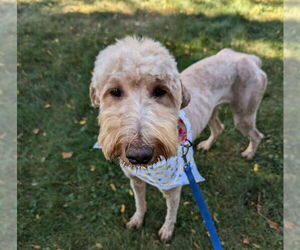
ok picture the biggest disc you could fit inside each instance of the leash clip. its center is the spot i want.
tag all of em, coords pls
(185, 149)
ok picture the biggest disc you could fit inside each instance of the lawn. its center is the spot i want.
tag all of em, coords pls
(73, 202)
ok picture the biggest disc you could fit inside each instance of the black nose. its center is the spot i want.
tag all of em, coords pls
(139, 155)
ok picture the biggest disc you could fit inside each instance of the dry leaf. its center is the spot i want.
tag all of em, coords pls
(36, 246)
(215, 217)
(193, 231)
(36, 131)
(196, 245)
(273, 224)
(92, 168)
(45, 134)
(37, 216)
(255, 245)
(83, 121)
(186, 203)
(20, 135)
(256, 167)
(69, 106)
(113, 187)
(43, 159)
(290, 225)
(48, 105)
(196, 217)
(130, 192)
(66, 155)
(246, 241)
(167, 245)
(122, 208)
(98, 245)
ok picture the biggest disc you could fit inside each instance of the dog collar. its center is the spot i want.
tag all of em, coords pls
(182, 131)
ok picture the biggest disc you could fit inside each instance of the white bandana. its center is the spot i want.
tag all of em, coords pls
(167, 174)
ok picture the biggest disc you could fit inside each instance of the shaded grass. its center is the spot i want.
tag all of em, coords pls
(62, 203)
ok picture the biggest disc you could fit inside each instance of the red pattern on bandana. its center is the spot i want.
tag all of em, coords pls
(182, 132)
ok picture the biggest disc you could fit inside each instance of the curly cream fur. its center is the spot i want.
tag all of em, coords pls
(137, 66)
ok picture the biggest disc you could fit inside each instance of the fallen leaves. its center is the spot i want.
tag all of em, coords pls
(246, 241)
(83, 121)
(130, 192)
(36, 131)
(196, 245)
(66, 155)
(98, 245)
(92, 168)
(272, 224)
(256, 245)
(113, 187)
(122, 208)
(36, 246)
(20, 135)
(47, 105)
(256, 167)
(215, 216)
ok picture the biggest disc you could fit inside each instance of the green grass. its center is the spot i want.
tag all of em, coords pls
(65, 205)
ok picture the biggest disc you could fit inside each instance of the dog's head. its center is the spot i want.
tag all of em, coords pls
(137, 87)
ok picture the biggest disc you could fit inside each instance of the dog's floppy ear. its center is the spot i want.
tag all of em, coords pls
(186, 97)
(94, 96)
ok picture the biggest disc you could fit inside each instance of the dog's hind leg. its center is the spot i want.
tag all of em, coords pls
(216, 128)
(246, 125)
(139, 190)
(248, 93)
(172, 198)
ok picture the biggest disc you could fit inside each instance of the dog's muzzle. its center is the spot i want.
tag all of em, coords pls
(139, 154)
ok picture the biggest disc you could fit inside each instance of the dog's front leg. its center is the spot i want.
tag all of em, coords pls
(139, 190)
(172, 198)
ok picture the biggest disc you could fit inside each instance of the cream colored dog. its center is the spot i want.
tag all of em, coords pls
(139, 91)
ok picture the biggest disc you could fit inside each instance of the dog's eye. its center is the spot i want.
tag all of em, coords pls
(116, 92)
(158, 92)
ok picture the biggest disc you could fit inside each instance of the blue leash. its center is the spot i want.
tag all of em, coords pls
(204, 212)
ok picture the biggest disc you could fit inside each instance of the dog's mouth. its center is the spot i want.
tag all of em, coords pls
(126, 163)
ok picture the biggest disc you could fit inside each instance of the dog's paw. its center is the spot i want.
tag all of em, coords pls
(135, 221)
(248, 154)
(166, 231)
(205, 145)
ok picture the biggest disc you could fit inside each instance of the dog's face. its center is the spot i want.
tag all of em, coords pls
(139, 94)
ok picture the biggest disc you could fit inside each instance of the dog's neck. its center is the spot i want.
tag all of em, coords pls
(199, 112)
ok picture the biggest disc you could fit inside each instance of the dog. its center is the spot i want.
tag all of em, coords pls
(139, 93)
